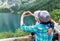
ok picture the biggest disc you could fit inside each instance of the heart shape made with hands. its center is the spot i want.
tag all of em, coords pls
(27, 13)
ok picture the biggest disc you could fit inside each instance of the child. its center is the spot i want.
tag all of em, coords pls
(40, 29)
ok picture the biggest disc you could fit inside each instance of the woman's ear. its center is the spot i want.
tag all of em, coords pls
(39, 20)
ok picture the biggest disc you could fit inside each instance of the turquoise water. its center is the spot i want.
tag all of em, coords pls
(10, 22)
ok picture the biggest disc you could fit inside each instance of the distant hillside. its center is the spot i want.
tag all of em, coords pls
(32, 5)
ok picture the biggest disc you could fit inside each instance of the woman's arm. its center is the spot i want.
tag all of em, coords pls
(24, 14)
(22, 18)
(30, 13)
(24, 27)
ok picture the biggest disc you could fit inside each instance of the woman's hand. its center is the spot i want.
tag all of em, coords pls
(49, 31)
(22, 17)
(25, 14)
(30, 13)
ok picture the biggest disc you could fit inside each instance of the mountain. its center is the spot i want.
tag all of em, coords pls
(32, 5)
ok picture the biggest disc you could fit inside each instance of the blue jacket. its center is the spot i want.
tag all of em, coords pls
(40, 31)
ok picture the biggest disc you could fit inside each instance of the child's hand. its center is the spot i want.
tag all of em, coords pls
(49, 31)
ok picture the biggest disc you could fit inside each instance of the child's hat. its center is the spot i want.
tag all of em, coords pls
(44, 15)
